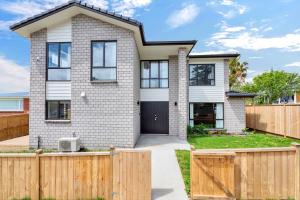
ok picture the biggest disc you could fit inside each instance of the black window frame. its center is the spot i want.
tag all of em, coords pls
(101, 67)
(214, 108)
(59, 67)
(159, 79)
(46, 113)
(206, 80)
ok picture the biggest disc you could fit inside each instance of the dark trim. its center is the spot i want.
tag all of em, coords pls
(46, 110)
(235, 94)
(214, 106)
(158, 61)
(215, 56)
(106, 13)
(207, 79)
(103, 67)
(47, 58)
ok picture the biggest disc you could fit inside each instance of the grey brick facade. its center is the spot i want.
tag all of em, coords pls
(173, 95)
(110, 112)
(182, 93)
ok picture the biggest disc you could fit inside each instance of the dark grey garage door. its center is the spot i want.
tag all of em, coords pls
(155, 117)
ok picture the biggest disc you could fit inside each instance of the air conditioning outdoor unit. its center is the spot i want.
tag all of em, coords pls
(70, 144)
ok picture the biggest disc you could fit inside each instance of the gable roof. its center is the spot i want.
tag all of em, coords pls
(100, 11)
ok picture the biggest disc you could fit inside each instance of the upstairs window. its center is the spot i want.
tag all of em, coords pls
(104, 61)
(202, 75)
(154, 74)
(59, 61)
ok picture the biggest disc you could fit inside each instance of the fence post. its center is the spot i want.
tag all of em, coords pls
(112, 153)
(297, 171)
(285, 124)
(37, 165)
(191, 171)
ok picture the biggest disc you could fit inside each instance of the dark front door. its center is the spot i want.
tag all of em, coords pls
(155, 117)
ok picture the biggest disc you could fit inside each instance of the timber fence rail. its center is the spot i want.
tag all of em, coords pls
(12, 126)
(260, 173)
(114, 175)
(278, 119)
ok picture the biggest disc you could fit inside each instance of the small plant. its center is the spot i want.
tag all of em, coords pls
(98, 198)
(24, 198)
(200, 129)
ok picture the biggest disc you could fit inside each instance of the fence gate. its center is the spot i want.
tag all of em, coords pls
(212, 175)
(132, 175)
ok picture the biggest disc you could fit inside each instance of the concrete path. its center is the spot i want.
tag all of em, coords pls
(167, 182)
(15, 144)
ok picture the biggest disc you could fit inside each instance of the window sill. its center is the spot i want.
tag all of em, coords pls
(57, 121)
(105, 81)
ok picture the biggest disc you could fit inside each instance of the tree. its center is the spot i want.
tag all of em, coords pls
(237, 73)
(270, 86)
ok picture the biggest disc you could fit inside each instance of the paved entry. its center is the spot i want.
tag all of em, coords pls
(167, 182)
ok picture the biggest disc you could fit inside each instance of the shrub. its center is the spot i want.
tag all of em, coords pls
(199, 129)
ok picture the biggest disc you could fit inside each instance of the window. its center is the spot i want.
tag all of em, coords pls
(202, 75)
(154, 74)
(58, 110)
(58, 61)
(209, 114)
(104, 61)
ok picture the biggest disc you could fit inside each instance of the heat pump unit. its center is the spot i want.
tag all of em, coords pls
(70, 144)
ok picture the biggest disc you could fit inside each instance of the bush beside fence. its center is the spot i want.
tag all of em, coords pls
(12, 126)
(267, 173)
(115, 175)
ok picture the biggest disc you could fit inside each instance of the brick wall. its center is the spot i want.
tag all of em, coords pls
(106, 116)
(182, 93)
(173, 95)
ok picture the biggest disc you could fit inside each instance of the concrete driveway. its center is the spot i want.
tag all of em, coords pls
(167, 182)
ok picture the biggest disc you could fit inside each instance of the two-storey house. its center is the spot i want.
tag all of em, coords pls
(94, 74)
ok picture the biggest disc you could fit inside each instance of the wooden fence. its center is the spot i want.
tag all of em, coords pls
(12, 126)
(278, 119)
(116, 175)
(268, 173)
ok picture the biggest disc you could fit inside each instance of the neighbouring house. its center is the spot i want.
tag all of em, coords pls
(94, 74)
(11, 103)
(289, 99)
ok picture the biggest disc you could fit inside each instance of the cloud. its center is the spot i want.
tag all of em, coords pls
(228, 8)
(251, 39)
(185, 15)
(27, 8)
(255, 57)
(128, 7)
(294, 64)
(13, 77)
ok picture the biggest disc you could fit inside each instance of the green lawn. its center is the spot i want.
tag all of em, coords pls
(245, 141)
(227, 141)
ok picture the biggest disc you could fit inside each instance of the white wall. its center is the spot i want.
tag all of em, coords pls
(209, 93)
(60, 33)
(56, 90)
(152, 94)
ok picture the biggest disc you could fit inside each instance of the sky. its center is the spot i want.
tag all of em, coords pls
(265, 32)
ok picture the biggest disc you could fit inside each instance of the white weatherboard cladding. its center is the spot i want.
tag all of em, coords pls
(60, 33)
(154, 94)
(209, 93)
(58, 90)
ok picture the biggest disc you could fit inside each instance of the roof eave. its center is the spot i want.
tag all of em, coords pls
(215, 56)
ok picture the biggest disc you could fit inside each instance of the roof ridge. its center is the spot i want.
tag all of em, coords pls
(80, 4)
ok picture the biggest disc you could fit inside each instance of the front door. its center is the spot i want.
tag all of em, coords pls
(155, 117)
